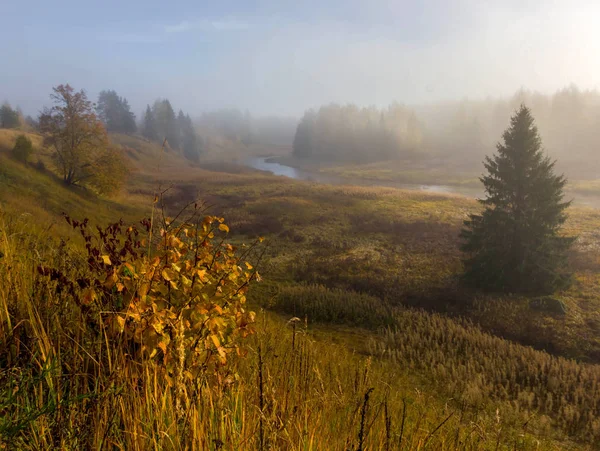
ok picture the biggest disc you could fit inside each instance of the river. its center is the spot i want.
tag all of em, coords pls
(264, 164)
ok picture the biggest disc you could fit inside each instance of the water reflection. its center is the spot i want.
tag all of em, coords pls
(278, 169)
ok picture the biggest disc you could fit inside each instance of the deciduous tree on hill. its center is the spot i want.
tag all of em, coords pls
(515, 245)
(82, 151)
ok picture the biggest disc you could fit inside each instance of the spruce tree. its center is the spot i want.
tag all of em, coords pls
(515, 245)
(128, 124)
(149, 125)
(166, 123)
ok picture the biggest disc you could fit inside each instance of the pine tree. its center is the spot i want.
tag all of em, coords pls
(515, 244)
(149, 125)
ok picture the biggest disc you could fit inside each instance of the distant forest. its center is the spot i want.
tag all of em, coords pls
(462, 131)
(241, 127)
(355, 134)
(184, 135)
(568, 121)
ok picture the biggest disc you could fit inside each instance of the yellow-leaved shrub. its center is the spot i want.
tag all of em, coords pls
(177, 296)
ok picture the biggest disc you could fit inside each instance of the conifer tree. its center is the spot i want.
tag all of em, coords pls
(115, 112)
(149, 125)
(9, 118)
(166, 123)
(191, 144)
(515, 245)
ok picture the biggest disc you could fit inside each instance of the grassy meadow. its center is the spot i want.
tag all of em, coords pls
(365, 339)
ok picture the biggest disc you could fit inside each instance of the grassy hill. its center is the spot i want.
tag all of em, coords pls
(390, 352)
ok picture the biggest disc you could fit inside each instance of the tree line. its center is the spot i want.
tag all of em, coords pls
(241, 128)
(160, 123)
(349, 133)
(13, 118)
(568, 119)
(465, 130)
(114, 112)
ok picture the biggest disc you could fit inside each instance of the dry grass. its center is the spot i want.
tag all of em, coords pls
(66, 386)
(9, 136)
(463, 362)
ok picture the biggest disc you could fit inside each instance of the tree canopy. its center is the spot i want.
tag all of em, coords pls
(515, 244)
(160, 122)
(115, 113)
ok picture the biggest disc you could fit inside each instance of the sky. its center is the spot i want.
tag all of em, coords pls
(280, 57)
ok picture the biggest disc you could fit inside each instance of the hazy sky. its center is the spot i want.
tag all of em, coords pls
(281, 57)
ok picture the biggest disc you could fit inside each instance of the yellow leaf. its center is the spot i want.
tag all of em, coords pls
(158, 327)
(168, 274)
(223, 228)
(106, 260)
(185, 281)
(121, 323)
(163, 346)
(215, 340)
(248, 265)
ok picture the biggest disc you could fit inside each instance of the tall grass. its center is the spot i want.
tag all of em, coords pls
(556, 396)
(66, 385)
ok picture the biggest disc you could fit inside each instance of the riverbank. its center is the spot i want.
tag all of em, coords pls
(329, 175)
(436, 176)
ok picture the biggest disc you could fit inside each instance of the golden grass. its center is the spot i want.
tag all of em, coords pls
(9, 136)
(65, 386)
